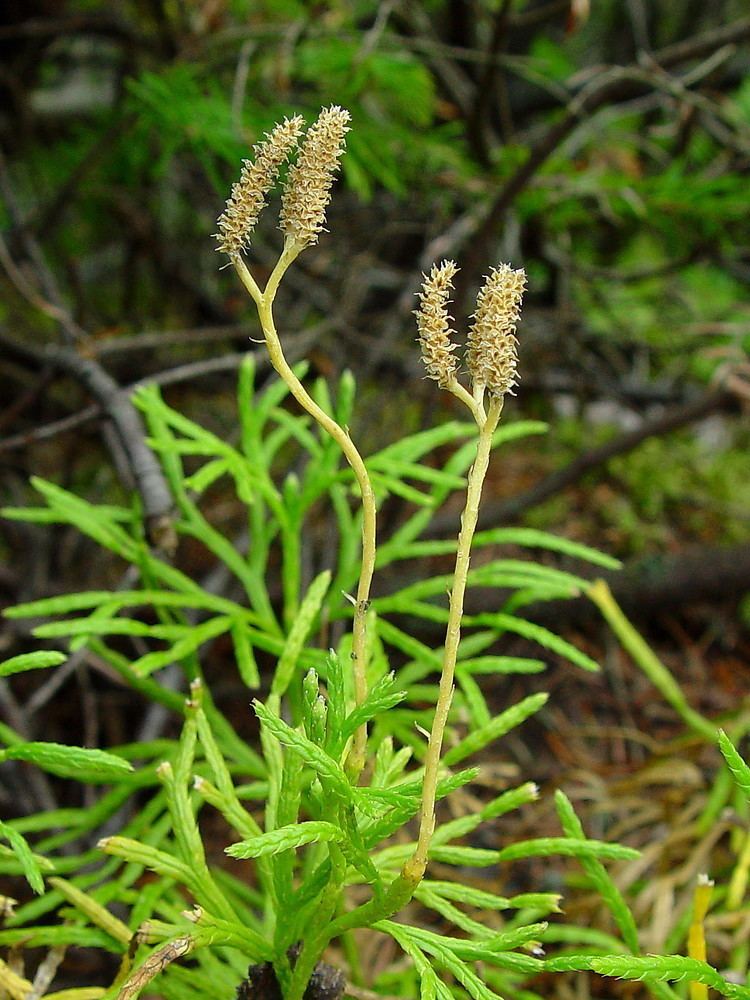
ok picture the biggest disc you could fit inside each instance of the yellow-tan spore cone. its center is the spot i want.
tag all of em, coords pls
(307, 191)
(248, 197)
(434, 324)
(492, 355)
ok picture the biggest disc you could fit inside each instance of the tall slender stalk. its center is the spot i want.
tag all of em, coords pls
(306, 195)
(645, 658)
(491, 359)
(415, 867)
(264, 302)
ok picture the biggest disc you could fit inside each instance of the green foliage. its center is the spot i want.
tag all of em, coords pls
(647, 225)
(319, 833)
(70, 762)
(31, 661)
(31, 866)
(673, 968)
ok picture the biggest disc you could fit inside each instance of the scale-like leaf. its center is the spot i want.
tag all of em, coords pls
(537, 633)
(88, 518)
(30, 865)
(476, 703)
(31, 661)
(432, 988)
(378, 829)
(514, 798)
(243, 649)
(599, 875)
(95, 912)
(303, 622)
(285, 838)
(206, 476)
(195, 637)
(94, 766)
(738, 767)
(543, 847)
(37, 936)
(415, 446)
(673, 968)
(502, 665)
(533, 538)
(322, 763)
(408, 644)
(494, 729)
(380, 698)
(484, 900)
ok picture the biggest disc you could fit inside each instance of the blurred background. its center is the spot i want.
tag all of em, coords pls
(603, 145)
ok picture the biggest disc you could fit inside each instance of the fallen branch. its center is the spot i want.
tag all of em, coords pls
(500, 511)
(299, 348)
(655, 583)
(143, 465)
(611, 84)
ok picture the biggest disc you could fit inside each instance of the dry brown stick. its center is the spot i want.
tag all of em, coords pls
(88, 24)
(156, 340)
(453, 77)
(49, 301)
(656, 583)
(33, 297)
(530, 17)
(50, 430)
(146, 472)
(617, 83)
(25, 400)
(477, 122)
(500, 511)
(701, 45)
(143, 465)
(299, 348)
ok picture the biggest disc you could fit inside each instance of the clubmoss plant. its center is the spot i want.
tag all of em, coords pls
(491, 359)
(306, 195)
(336, 809)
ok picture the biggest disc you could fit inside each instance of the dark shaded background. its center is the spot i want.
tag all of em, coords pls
(606, 150)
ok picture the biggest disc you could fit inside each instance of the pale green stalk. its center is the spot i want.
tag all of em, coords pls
(264, 302)
(96, 913)
(320, 924)
(414, 869)
(646, 659)
(697, 933)
(492, 359)
(739, 879)
(401, 890)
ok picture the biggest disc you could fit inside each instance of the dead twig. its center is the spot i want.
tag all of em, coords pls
(616, 83)
(147, 475)
(501, 511)
(299, 347)
(144, 468)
